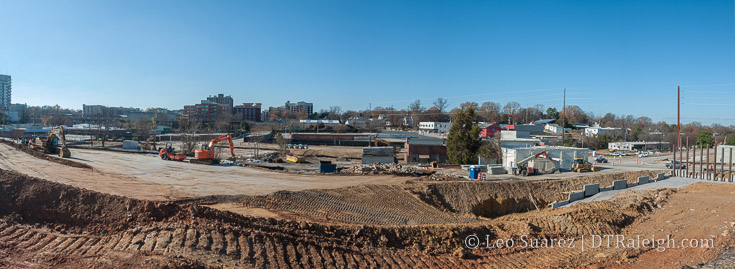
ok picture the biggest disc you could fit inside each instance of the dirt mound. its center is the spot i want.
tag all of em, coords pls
(43, 156)
(386, 169)
(29, 199)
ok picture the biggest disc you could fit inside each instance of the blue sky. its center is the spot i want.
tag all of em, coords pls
(624, 57)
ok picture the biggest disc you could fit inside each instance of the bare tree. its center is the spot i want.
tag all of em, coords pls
(441, 104)
(416, 107)
(511, 111)
(489, 111)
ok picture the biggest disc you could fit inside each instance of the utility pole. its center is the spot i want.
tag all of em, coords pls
(564, 121)
(678, 124)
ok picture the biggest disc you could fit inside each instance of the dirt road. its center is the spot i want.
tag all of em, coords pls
(148, 177)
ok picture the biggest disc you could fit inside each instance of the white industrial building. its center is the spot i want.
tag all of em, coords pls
(638, 145)
(554, 128)
(432, 127)
(595, 131)
(564, 155)
(325, 122)
(518, 139)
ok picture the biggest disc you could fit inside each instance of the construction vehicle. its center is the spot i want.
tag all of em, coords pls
(148, 145)
(204, 154)
(581, 166)
(54, 143)
(537, 164)
(294, 159)
(169, 153)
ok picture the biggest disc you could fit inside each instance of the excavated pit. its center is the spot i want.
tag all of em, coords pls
(427, 203)
(48, 224)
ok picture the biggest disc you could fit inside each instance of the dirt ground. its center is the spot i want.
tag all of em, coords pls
(46, 224)
(148, 177)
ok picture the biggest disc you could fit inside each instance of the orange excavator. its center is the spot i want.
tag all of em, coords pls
(204, 154)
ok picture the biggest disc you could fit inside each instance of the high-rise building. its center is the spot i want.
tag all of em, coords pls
(248, 111)
(222, 100)
(300, 106)
(206, 111)
(5, 92)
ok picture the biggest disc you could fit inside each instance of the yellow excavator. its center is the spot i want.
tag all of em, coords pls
(54, 143)
(148, 145)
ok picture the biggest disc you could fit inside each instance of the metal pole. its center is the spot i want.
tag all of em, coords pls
(686, 169)
(722, 164)
(714, 164)
(701, 160)
(694, 161)
(678, 123)
(709, 171)
(564, 118)
(681, 159)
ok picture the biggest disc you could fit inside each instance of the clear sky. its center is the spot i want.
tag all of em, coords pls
(624, 57)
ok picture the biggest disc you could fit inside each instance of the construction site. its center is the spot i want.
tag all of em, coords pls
(367, 134)
(77, 206)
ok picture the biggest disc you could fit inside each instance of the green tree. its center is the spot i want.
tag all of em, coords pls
(730, 140)
(704, 138)
(552, 113)
(463, 142)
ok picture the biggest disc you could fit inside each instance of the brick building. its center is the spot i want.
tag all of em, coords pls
(425, 153)
(248, 112)
(206, 111)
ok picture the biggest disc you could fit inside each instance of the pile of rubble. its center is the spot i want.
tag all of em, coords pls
(381, 168)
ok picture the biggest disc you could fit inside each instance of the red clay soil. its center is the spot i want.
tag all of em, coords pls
(43, 156)
(422, 202)
(46, 224)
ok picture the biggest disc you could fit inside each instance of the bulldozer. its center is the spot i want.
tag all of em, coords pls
(581, 166)
(54, 143)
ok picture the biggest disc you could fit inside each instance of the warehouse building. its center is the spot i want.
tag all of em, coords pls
(379, 155)
(638, 146)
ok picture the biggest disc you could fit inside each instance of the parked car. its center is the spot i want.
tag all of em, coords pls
(678, 165)
(643, 154)
(600, 159)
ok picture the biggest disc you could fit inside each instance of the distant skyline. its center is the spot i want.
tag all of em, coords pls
(622, 57)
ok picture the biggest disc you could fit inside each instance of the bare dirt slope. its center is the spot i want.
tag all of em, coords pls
(46, 224)
(148, 177)
(419, 202)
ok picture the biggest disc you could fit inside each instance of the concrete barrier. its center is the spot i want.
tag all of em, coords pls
(620, 184)
(642, 180)
(575, 196)
(661, 176)
(559, 204)
(606, 189)
(591, 189)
